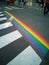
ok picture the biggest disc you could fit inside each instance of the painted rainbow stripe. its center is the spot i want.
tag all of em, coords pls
(37, 40)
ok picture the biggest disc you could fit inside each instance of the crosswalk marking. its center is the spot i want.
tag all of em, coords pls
(3, 18)
(10, 37)
(5, 25)
(11, 7)
(8, 8)
(16, 7)
(1, 14)
(26, 57)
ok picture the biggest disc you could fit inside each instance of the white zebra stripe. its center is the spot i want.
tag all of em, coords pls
(27, 57)
(3, 18)
(8, 38)
(1, 14)
(5, 25)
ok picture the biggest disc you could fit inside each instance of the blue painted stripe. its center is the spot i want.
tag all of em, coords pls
(41, 47)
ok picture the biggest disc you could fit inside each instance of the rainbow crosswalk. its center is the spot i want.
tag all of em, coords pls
(14, 49)
(36, 39)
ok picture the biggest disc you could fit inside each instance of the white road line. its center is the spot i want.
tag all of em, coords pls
(5, 25)
(27, 57)
(3, 18)
(8, 8)
(1, 14)
(8, 38)
(16, 7)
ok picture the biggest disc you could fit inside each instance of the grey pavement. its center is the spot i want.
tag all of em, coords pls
(34, 17)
